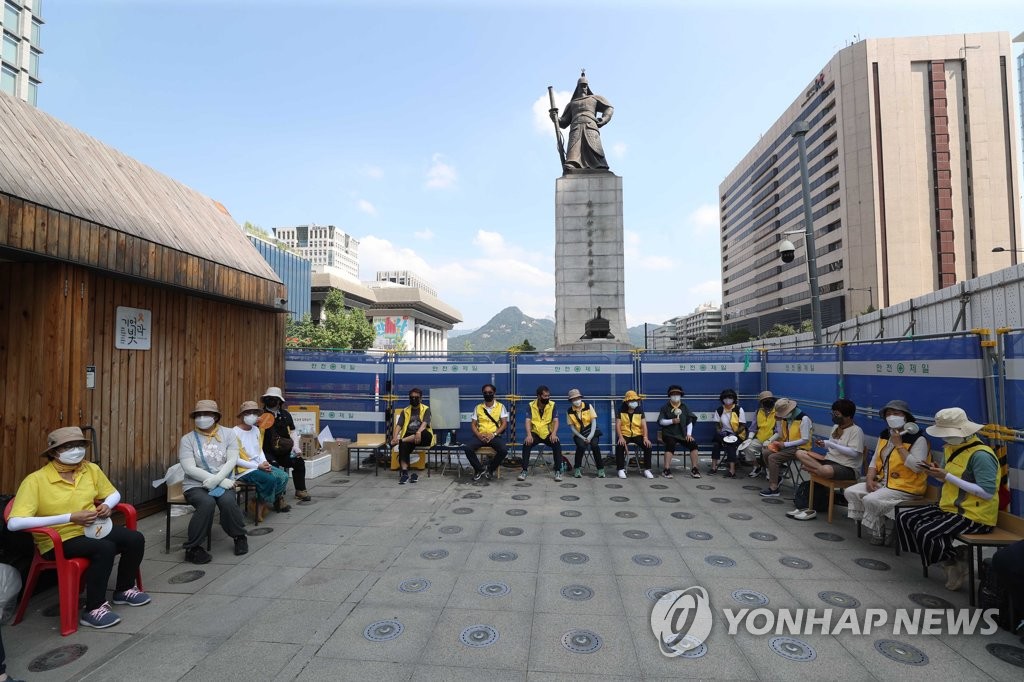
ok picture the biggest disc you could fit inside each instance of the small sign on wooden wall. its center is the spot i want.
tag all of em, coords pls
(134, 328)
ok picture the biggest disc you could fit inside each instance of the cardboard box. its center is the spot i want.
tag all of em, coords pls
(310, 447)
(338, 450)
(318, 466)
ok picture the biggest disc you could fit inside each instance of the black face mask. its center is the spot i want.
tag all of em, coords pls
(488, 397)
(543, 401)
(837, 420)
(768, 405)
(414, 401)
(271, 404)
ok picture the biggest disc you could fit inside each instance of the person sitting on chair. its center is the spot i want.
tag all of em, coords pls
(761, 432)
(75, 498)
(253, 467)
(280, 445)
(730, 427)
(676, 421)
(412, 430)
(583, 423)
(631, 429)
(489, 423)
(794, 429)
(542, 427)
(844, 453)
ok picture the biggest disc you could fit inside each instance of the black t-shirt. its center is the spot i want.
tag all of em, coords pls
(282, 423)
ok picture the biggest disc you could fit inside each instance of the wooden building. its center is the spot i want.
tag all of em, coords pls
(85, 233)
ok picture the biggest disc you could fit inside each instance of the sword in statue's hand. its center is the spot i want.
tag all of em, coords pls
(553, 111)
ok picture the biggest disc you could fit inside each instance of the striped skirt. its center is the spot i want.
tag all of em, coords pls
(929, 531)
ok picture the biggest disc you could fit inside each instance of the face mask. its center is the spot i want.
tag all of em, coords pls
(633, 404)
(543, 401)
(488, 397)
(577, 403)
(767, 405)
(414, 401)
(837, 420)
(272, 404)
(895, 421)
(727, 401)
(72, 455)
(675, 399)
(250, 419)
(204, 423)
(954, 440)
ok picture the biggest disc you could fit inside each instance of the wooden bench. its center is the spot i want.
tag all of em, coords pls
(832, 485)
(364, 442)
(1009, 529)
(931, 496)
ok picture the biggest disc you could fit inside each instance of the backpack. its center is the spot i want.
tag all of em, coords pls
(993, 594)
(820, 502)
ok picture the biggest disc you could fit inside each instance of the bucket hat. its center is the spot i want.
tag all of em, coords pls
(274, 392)
(783, 406)
(66, 435)
(248, 406)
(575, 393)
(953, 421)
(205, 406)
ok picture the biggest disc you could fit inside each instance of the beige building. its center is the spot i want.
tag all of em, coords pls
(325, 246)
(912, 154)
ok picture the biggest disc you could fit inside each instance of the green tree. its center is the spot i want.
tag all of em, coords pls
(779, 330)
(806, 326)
(524, 347)
(339, 328)
(467, 345)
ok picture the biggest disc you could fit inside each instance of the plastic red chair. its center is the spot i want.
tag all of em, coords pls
(70, 572)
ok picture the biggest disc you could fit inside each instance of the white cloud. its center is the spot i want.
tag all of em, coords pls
(710, 287)
(635, 254)
(425, 234)
(373, 172)
(619, 150)
(441, 175)
(704, 219)
(541, 118)
(367, 208)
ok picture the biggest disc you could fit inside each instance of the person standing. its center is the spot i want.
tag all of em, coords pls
(542, 427)
(583, 423)
(676, 421)
(489, 425)
(280, 444)
(412, 430)
(631, 429)
(253, 466)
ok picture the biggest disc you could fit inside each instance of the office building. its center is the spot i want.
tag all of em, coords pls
(294, 270)
(325, 246)
(21, 24)
(913, 160)
(406, 278)
(704, 323)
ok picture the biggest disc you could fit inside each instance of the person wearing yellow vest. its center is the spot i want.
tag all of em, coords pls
(794, 429)
(542, 427)
(631, 428)
(968, 502)
(761, 432)
(412, 430)
(489, 424)
(253, 466)
(729, 429)
(896, 473)
(583, 423)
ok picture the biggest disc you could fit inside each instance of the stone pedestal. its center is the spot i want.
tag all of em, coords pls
(589, 260)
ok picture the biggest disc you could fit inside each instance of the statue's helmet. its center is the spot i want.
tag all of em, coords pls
(582, 87)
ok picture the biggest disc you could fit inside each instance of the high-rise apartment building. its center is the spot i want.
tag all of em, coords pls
(913, 164)
(21, 24)
(406, 278)
(323, 245)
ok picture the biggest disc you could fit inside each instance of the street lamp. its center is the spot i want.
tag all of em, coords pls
(871, 298)
(800, 129)
(1003, 249)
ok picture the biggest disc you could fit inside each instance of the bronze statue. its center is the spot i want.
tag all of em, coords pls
(585, 114)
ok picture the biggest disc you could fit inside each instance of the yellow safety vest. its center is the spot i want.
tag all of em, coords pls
(791, 426)
(631, 424)
(483, 422)
(900, 476)
(957, 501)
(407, 417)
(581, 420)
(765, 424)
(541, 423)
(734, 420)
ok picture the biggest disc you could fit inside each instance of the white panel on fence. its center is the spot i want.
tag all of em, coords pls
(574, 368)
(444, 408)
(450, 368)
(677, 367)
(350, 367)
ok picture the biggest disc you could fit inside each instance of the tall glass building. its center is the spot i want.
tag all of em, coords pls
(294, 270)
(21, 24)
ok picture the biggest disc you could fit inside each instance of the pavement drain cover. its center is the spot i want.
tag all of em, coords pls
(520, 497)
(764, 537)
(523, 485)
(900, 652)
(581, 641)
(795, 562)
(646, 560)
(505, 555)
(569, 498)
(573, 533)
(705, 486)
(656, 593)
(721, 500)
(511, 531)
(773, 500)
(613, 486)
(930, 601)
(681, 515)
(670, 500)
(792, 649)
(186, 577)
(1013, 655)
(750, 598)
(567, 485)
(451, 530)
(263, 530)
(494, 589)
(843, 601)
(719, 561)
(414, 585)
(574, 558)
(516, 512)
(752, 487)
(434, 554)
(739, 516)
(383, 630)
(658, 486)
(873, 564)
(472, 496)
(699, 535)
(339, 480)
(637, 534)
(577, 592)
(462, 510)
(571, 513)
(697, 651)
(829, 537)
(626, 514)
(55, 658)
(479, 636)
(619, 498)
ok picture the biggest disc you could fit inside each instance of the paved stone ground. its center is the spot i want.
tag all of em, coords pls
(484, 581)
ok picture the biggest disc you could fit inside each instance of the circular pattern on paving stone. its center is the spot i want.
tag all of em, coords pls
(262, 530)
(705, 486)
(516, 512)
(520, 497)
(613, 486)
(619, 498)
(571, 513)
(186, 577)
(567, 485)
(900, 652)
(626, 514)
(752, 487)
(670, 500)
(637, 534)
(572, 533)
(577, 592)
(681, 515)
(795, 562)
(740, 516)
(574, 558)
(792, 649)
(750, 598)
(656, 593)
(930, 601)
(719, 561)
(721, 500)
(1006, 653)
(472, 496)
(829, 537)
(383, 630)
(698, 535)
(479, 636)
(523, 485)
(646, 560)
(451, 530)
(763, 537)
(503, 555)
(434, 554)
(872, 564)
(510, 531)
(772, 500)
(581, 641)
(569, 498)
(697, 650)
(55, 658)
(414, 585)
(843, 601)
(495, 589)
(462, 510)
(658, 486)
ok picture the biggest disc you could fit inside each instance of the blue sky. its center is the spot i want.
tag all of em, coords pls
(420, 127)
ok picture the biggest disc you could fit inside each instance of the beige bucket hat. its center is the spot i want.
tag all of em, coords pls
(953, 421)
(205, 406)
(66, 435)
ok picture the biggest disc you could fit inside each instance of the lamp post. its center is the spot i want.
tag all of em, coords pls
(871, 298)
(800, 129)
(1003, 249)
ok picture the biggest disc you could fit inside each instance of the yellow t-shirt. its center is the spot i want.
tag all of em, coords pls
(45, 493)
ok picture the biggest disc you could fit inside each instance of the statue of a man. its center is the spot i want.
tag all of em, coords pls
(586, 113)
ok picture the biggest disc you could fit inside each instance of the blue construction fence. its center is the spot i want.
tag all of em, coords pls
(355, 390)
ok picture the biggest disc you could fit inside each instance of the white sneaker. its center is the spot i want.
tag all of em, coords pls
(622, 473)
(805, 515)
(648, 474)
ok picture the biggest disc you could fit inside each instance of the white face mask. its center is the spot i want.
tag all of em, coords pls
(727, 402)
(895, 421)
(577, 403)
(633, 404)
(954, 440)
(250, 419)
(72, 455)
(676, 399)
(204, 422)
